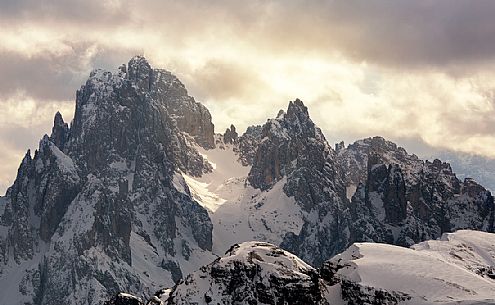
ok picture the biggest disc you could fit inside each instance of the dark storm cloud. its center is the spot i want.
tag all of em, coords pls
(73, 11)
(48, 76)
(416, 32)
(399, 32)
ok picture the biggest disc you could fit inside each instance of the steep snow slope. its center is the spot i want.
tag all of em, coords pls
(457, 268)
(238, 211)
(226, 180)
(256, 215)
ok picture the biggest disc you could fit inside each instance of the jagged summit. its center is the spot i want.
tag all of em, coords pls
(58, 120)
(60, 131)
(96, 209)
(139, 192)
(147, 88)
(290, 139)
(297, 107)
(140, 72)
(295, 118)
(230, 136)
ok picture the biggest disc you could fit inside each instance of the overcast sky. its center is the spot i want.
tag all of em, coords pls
(420, 72)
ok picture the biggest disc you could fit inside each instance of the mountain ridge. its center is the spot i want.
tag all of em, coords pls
(456, 269)
(139, 192)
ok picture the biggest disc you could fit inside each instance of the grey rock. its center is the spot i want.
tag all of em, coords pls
(104, 188)
(60, 131)
(294, 148)
(403, 200)
(399, 198)
(230, 136)
(242, 277)
(248, 144)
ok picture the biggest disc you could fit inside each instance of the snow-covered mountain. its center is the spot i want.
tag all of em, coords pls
(315, 201)
(139, 192)
(402, 200)
(459, 268)
(96, 210)
(466, 165)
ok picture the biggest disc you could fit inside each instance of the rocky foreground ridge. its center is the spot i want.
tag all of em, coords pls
(457, 269)
(98, 197)
(138, 192)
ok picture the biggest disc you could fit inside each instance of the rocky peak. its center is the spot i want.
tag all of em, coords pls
(401, 199)
(139, 71)
(60, 131)
(230, 136)
(248, 144)
(339, 146)
(297, 109)
(27, 158)
(291, 138)
(103, 191)
(297, 117)
(353, 160)
(294, 149)
(119, 115)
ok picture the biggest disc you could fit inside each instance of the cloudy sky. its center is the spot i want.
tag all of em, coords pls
(418, 72)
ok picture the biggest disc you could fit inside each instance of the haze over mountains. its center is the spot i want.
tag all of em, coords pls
(139, 191)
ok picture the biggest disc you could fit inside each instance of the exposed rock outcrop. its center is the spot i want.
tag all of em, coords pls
(230, 136)
(248, 144)
(398, 198)
(403, 200)
(294, 148)
(96, 209)
(110, 203)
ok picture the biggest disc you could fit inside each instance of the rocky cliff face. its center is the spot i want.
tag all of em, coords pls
(96, 211)
(190, 116)
(111, 203)
(402, 200)
(292, 147)
(247, 145)
(370, 191)
(466, 165)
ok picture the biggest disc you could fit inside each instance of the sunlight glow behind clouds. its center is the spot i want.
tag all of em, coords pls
(359, 71)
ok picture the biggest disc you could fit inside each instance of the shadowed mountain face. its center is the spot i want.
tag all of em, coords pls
(139, 192)
(392, 196)
(471, 166)
(99, 196)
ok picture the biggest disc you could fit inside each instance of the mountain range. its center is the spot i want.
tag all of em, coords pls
(474, 166)
(140, 193)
